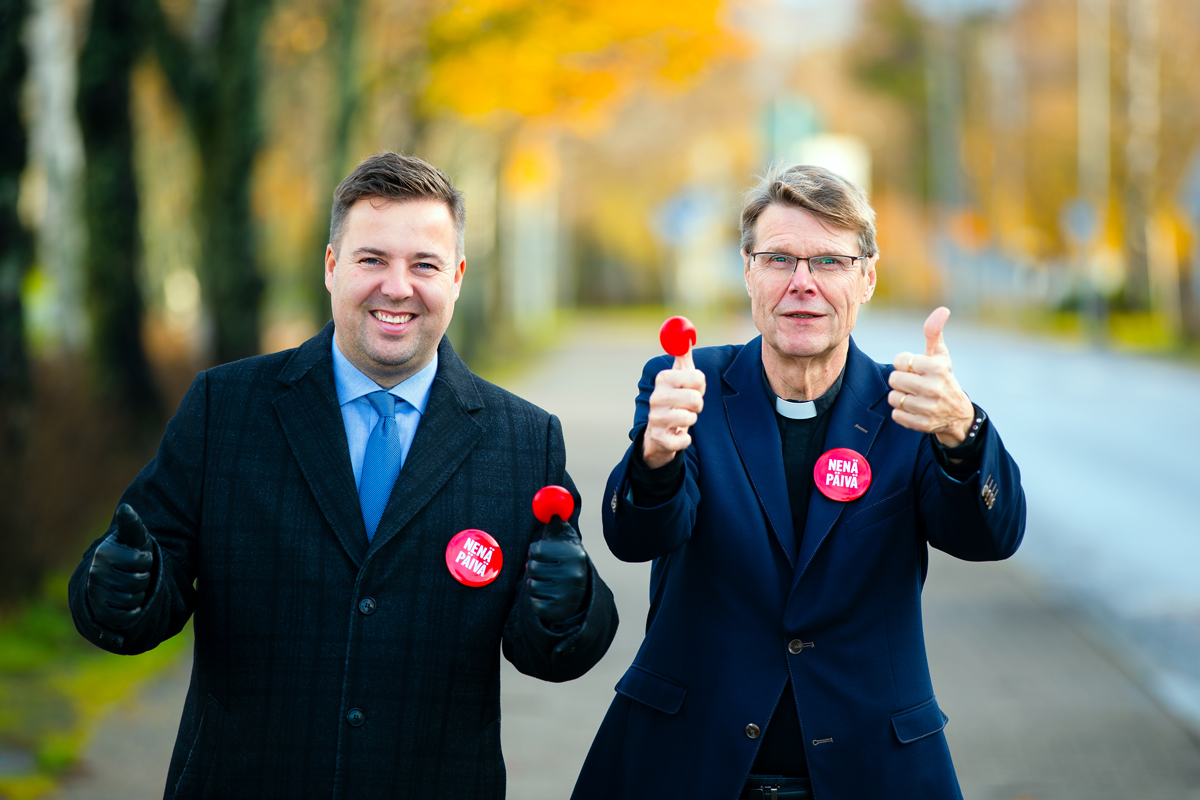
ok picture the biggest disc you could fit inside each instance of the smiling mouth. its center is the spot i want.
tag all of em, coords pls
(394, 319)
(804, 315)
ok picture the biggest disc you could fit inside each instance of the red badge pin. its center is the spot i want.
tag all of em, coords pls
(842, 474)
(474, 558)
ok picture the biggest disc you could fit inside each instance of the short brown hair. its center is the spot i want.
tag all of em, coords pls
(392, 176)
(824, 194)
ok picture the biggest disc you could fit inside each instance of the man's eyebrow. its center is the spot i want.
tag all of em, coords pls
(375, 251)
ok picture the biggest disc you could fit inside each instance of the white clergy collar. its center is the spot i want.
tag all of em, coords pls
(796, 409)
(804, 409)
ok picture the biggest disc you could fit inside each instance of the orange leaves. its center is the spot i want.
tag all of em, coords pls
(569, 60)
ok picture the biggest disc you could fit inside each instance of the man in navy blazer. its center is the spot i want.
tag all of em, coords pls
(784, 655)
(337, 653)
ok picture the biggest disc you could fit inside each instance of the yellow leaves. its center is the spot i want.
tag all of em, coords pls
(570, 60)
(294, 32)
(533, 165)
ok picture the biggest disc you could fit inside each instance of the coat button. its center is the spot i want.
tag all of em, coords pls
(752, 731)
(367, 605)
(795, 646)
(355, 717)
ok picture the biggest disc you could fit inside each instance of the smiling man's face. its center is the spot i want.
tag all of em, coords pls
(394, 281)
(800, 315)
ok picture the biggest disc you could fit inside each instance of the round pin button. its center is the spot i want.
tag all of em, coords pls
(842, 474)
(474, 558)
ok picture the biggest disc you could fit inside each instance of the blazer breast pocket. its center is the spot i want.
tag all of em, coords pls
(895, 503)
(651, 689)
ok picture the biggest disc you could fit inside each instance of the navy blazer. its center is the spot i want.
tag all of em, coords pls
(299, 620)
(735, 608)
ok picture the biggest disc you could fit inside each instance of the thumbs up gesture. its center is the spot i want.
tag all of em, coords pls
(120, 573)
(925, 394)
(556, 570)
(677, 399)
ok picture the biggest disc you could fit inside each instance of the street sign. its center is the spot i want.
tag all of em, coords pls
(1079, 221)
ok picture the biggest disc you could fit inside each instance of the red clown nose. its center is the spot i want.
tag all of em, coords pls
(551, 502)
(677, 335)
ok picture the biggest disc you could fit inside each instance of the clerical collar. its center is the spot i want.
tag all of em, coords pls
(804, 409)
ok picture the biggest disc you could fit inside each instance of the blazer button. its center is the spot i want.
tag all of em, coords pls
(355, 717)
(752, 731)
(367, 605)
(795, 646)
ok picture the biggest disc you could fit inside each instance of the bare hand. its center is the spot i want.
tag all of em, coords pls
(925, 394)
(675, 403)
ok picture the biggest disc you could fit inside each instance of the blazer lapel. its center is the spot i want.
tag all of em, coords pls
(447, 433)
(756, 436)
(853, 425)
(312, 423)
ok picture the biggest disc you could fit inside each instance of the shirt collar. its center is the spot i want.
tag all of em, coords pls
(352, 384)
(804, 409)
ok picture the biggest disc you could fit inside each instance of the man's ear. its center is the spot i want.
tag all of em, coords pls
(330, 266)
(459, 271)
(872, 276)
(746, 271)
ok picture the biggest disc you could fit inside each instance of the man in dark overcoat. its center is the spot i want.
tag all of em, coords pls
(301, 509)
(787, 491)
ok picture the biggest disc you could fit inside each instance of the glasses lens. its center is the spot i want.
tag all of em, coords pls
(831, 263)
(776, 261)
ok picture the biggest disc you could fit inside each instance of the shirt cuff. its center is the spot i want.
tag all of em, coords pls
(970, 451)
(653, 487)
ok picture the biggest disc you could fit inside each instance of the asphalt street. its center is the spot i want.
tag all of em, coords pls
(1070, 672)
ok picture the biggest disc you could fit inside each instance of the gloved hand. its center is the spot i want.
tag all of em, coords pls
(120, 573)
(556, 572)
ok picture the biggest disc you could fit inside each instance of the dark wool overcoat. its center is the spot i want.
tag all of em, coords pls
(327, 667)
(737, 608)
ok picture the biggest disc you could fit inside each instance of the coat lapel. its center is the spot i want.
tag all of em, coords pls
(756, 436)
(447, 433)
(853, 425)
(312, 423)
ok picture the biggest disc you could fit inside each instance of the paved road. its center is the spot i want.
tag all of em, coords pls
(1106, 444)
(1038, 662)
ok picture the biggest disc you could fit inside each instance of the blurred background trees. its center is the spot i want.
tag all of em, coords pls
(166, 168)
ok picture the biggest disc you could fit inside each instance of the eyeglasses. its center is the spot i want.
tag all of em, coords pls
(780, 263)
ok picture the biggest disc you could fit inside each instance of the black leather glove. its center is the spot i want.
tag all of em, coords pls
(120, 573)
(556, 573)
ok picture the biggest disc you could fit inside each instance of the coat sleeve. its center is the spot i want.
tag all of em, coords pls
(636, 533)
(982, 516)
(166, 494)
(545, 653)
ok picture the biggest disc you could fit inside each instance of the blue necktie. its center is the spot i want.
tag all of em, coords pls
(381, 465)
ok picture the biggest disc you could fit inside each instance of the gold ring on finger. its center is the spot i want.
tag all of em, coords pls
(903, 397)
(911, 359)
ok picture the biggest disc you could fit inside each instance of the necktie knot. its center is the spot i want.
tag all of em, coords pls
(384, 403)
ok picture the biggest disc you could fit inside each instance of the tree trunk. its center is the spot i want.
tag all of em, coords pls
(111, 211)
(15, 385)
(228, 134)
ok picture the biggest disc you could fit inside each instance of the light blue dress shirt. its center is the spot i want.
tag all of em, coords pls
(359, 416)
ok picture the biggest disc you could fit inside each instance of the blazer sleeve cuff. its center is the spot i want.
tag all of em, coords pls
(537, 649)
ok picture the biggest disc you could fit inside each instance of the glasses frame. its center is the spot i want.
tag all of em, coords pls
(806, 261)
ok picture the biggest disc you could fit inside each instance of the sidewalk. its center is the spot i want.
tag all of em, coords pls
(1040, 706)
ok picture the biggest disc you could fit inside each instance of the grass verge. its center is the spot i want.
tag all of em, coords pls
(54, 686)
